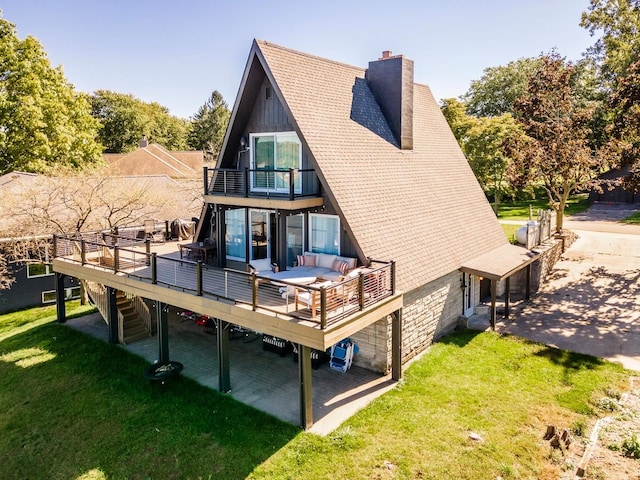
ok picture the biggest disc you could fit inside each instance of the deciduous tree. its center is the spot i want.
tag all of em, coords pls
(618, 22)
(555, 151)
(124, 120)
(494, 93)
(43, 121)
(70, 202)
(482, 140)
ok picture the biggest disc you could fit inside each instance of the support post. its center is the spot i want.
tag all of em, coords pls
(527, 288)
(222, 338)
(154, 268)
(199, 278)
(494, 294)
(61, 311)
(396, 345)
(306, 392)
(163, 332)
(221, 229)
(292, 184)
(205, 179)
(112, 313)
(507, 287)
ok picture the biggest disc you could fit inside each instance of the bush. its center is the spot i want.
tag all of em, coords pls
(631, 447)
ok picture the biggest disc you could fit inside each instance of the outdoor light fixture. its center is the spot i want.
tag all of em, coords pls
(244, 143)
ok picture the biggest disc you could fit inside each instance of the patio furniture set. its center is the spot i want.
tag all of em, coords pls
(317, 270)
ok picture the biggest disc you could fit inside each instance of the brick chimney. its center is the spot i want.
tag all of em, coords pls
(390, 79)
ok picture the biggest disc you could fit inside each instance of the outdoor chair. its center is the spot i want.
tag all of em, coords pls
(342, 355)
(151, 233)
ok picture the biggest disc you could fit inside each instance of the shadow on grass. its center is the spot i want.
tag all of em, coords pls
(72, 404)
(460, 338)
(570, 360)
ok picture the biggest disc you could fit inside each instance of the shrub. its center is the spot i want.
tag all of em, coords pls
(631, 446)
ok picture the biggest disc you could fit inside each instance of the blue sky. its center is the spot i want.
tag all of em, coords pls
(177, 52)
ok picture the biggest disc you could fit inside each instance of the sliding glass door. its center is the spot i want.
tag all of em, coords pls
(260, 234)
(271, 152)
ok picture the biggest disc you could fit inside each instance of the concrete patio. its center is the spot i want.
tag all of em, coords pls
(259, 378)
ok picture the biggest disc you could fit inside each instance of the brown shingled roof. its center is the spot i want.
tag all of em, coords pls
(156, 160)
(421, 207)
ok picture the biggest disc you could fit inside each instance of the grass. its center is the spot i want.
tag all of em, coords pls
(633, 219)
(510, 231)
(73, 407)
(519, 210)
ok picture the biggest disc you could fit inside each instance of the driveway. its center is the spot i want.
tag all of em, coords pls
(591, 301)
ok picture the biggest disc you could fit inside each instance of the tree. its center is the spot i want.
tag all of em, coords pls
(498, 88)
(69, 201)
(487, 156)
(624, 146)
(208, 126)
(43, 121)
(482, 141)
(555, 151)
(124, 120)
(619, 45)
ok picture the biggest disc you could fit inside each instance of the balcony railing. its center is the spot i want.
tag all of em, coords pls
(323, 304)
(287, 184)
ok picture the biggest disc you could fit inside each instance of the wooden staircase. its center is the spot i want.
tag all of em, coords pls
(133, 327)
(134, 318)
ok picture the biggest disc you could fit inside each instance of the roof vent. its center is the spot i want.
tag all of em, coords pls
(143, 142)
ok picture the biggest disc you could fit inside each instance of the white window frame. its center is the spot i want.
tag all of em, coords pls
(47, 267)
(310, 232)
(252, 137)
(69, 294)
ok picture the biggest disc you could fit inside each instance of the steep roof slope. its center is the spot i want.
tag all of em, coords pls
(421, 207)
(156, 160)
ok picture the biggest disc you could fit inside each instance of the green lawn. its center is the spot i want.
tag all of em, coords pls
(520, 210)
(633, 219)
(510, 231)
(73, 407)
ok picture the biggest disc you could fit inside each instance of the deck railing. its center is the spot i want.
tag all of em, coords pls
(326, 304)
(284, 183)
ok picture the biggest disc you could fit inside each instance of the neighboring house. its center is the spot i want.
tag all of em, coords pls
(350, 163)
(154, 159)
(34, 282)
(613, 190)
(33, 285)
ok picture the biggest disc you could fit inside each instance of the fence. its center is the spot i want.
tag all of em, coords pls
(541, 230)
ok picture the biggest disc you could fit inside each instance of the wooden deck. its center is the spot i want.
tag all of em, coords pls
(231, 295)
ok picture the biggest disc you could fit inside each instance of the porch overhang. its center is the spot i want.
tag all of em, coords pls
(500, 263)
(268, 203)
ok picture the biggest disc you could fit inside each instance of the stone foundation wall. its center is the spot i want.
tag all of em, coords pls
(549, 252)
(429, 313)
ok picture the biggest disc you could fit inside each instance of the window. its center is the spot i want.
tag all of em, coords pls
(35, 270)
(70, 293)
(324, 232)
(235, 236)
(295, 237)
(273, 152)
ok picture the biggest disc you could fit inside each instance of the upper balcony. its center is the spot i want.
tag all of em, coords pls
(316, 315)
(263, 188)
